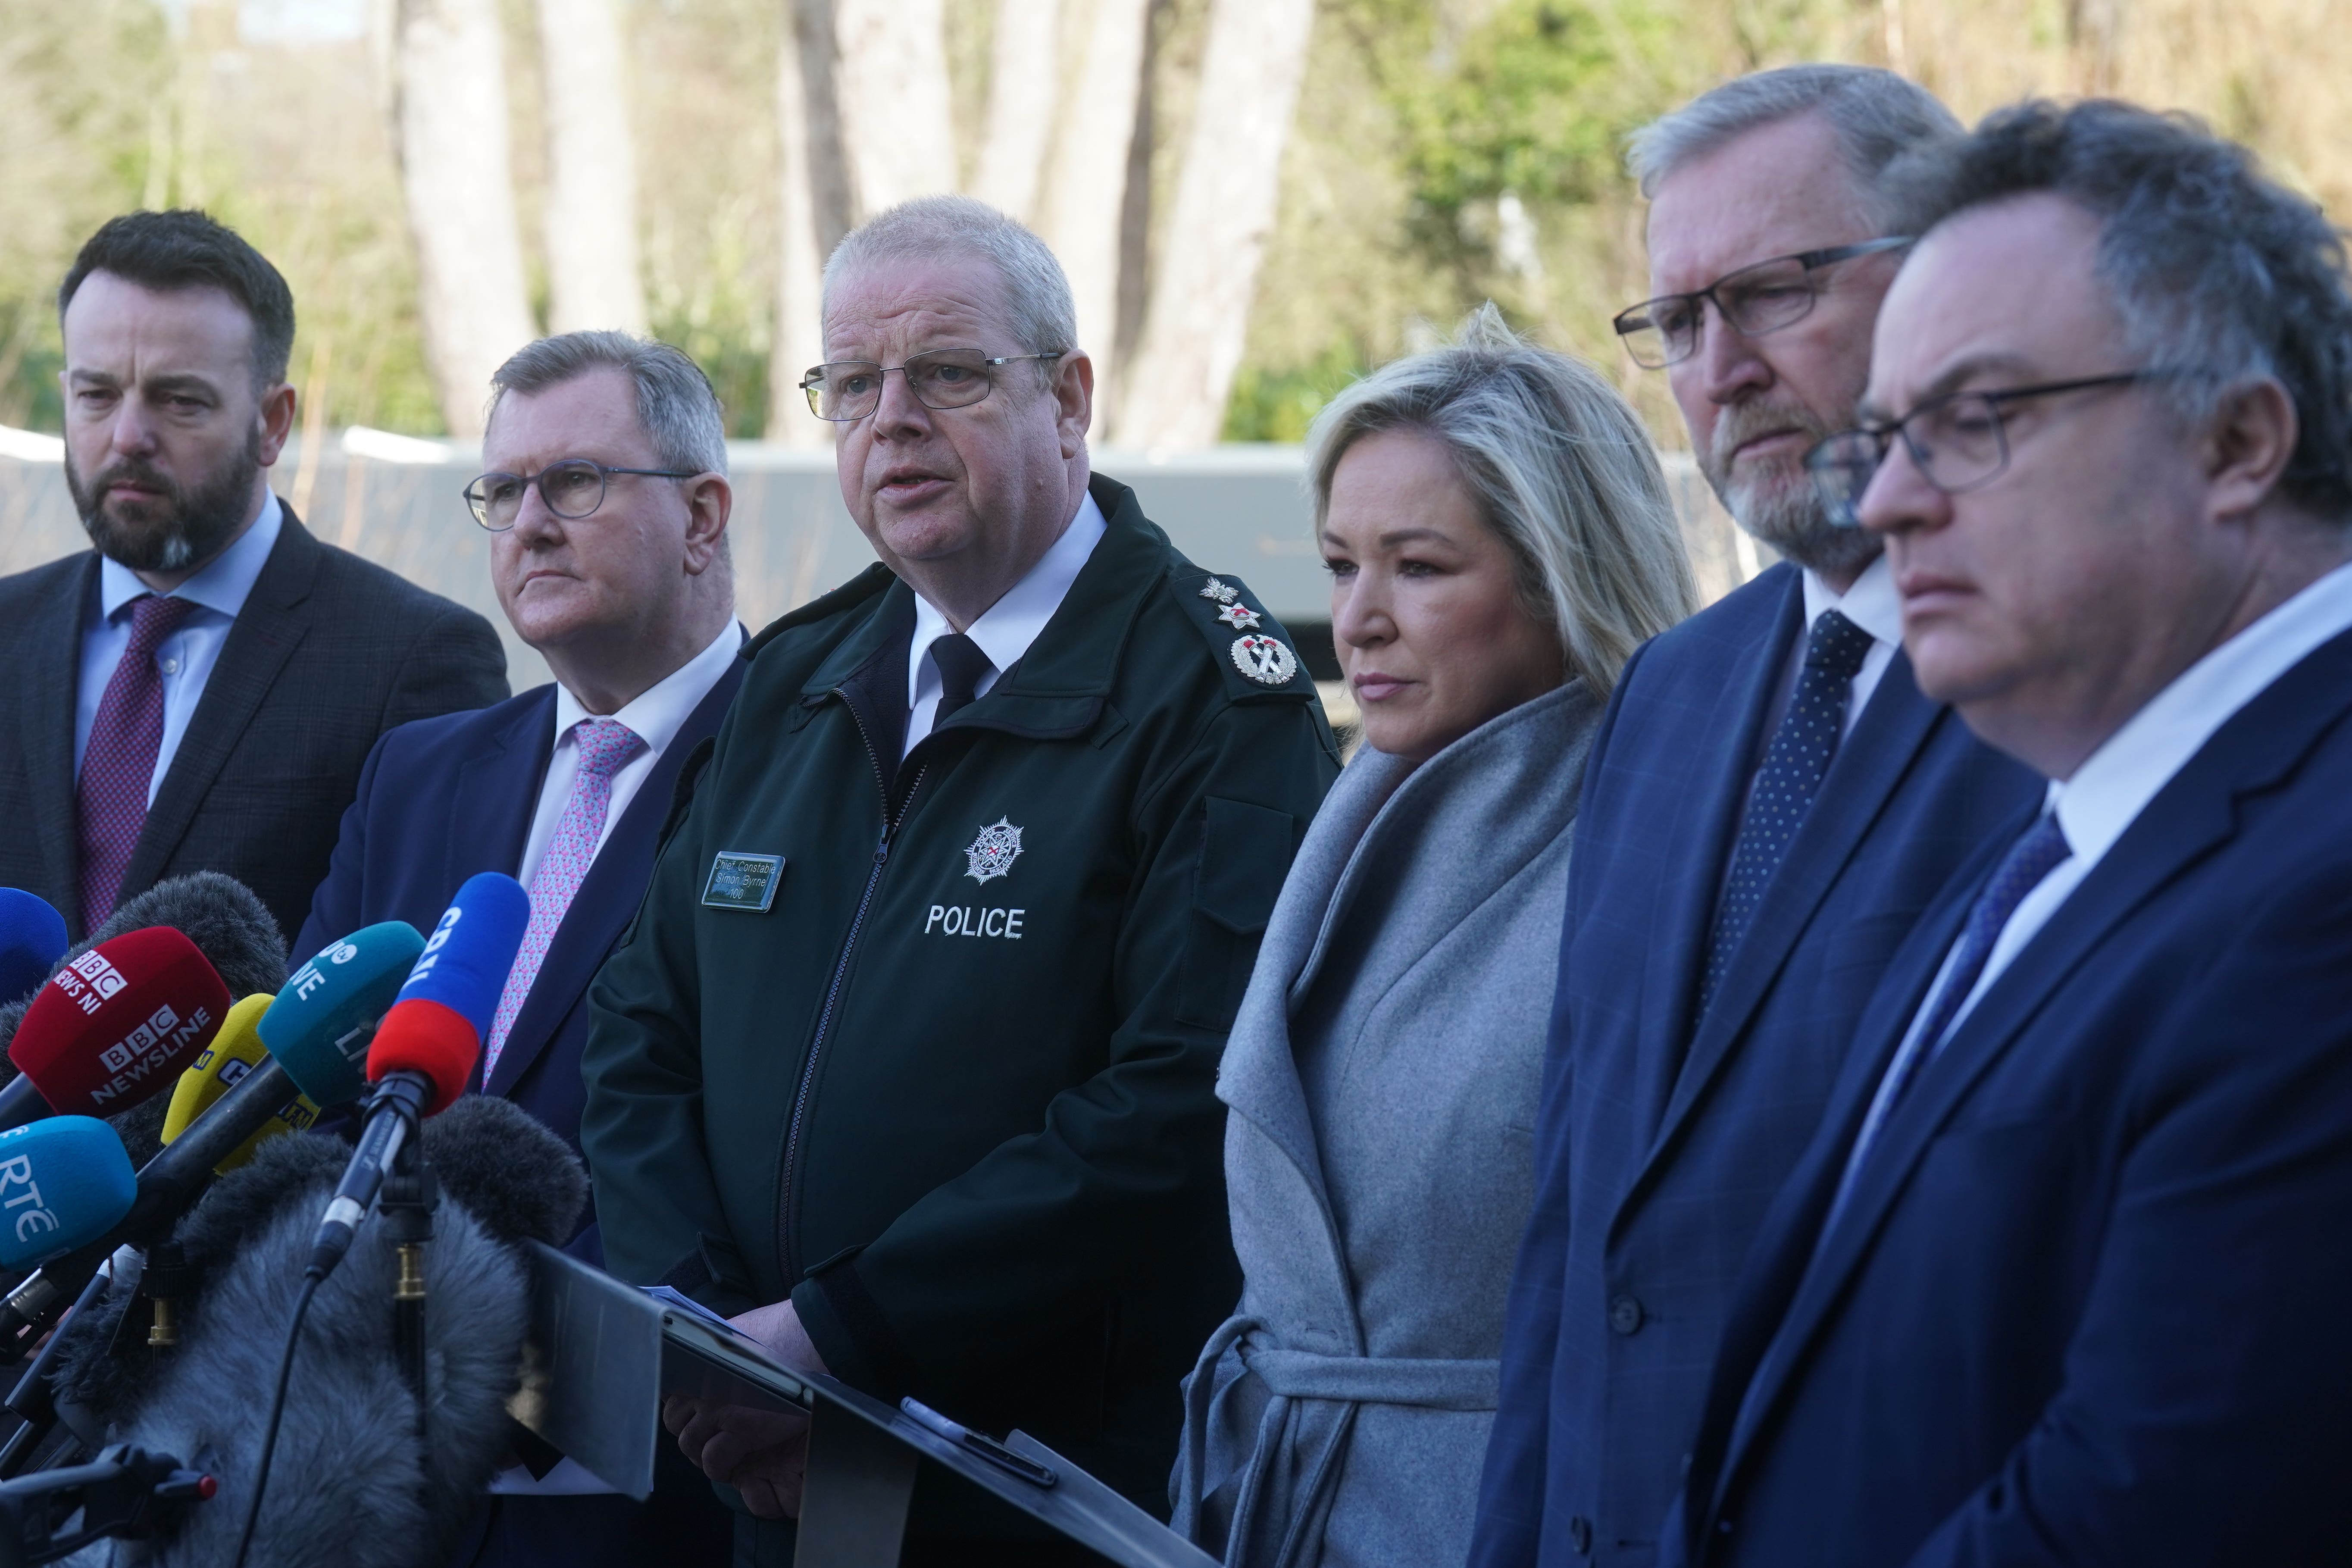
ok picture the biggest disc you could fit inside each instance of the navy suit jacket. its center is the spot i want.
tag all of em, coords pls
(1661, 1138)
(2085, 1304)
(443, 799)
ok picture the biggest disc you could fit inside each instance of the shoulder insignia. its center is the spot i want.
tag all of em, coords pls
(1248, 644)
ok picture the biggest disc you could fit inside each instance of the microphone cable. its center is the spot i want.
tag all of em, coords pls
(276, 1412)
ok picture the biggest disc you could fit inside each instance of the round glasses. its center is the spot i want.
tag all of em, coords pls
(845, 391)
(571, 488)
(1757, 299)
(1956, 442)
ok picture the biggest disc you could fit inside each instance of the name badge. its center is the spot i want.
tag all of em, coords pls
(742, 882)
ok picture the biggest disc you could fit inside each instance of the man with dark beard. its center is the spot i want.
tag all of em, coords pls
(1768, 807)
(198, 691)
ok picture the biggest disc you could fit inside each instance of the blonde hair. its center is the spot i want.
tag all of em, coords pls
(1561, 469)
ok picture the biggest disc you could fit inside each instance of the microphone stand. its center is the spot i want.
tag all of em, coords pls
(405, 1207)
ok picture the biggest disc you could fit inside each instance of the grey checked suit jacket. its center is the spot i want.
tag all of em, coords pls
(328, 652)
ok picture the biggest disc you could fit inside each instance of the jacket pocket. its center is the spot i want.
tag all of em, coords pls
(1244, 855)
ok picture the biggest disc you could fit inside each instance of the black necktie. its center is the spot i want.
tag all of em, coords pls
(1794, 767)
(961, 665)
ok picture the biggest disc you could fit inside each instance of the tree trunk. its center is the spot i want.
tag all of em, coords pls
(1085, 198)
(894, 101)
(803, 235)
(450, 110)
(1023, 87)
(1199, 316)
(592, 163)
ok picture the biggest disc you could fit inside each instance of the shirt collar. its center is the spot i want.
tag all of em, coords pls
(2116, 782)
(1005, 631)
(659, 712)
(223, 584)
(1871, 603)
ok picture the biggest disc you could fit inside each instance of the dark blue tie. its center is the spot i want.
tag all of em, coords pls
(1794, 765)
(2033, 856)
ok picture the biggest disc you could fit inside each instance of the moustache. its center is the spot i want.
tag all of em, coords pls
(1742, 423)
(132, 472)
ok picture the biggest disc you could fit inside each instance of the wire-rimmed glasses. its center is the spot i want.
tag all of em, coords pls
(571, 488)
(1956, 442)
(845, 391)
(1760, 298)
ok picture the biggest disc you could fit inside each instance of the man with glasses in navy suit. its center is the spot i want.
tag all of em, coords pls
(1769, 804)
(608, 501)
(2061, 1278)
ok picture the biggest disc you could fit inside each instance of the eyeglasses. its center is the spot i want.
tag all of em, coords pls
(1956, 442)
(845, 391)
(1760, 298)
(571, 488)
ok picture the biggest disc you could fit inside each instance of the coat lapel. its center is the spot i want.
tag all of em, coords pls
(46, 692)
(266, 632)
(1259, 1076)
(1863, 779)
(2191, 817)
(608, 897)
(1714, 798)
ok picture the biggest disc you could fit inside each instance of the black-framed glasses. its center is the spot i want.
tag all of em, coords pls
(1956, 442)
(1762, 297)
(845, 391)
(571, 488)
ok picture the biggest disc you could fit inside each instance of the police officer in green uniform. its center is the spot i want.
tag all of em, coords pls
(908, 1062)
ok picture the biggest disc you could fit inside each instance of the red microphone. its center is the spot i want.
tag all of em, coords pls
(115, 1026)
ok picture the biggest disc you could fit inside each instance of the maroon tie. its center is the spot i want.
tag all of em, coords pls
(118, 762)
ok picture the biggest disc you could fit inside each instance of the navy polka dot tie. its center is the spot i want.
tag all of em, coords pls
(1794, 765)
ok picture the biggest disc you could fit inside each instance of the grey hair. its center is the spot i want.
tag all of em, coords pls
(2220, 275)
(1561, 469)
(1876, 116)
(675, 401)
(1038, 303)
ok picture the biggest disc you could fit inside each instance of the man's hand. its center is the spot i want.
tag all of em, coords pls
(761, 1454)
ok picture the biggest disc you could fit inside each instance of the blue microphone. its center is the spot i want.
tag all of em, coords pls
(320, 1027)
(423, 1051)
(32, 940)
(64, 1182)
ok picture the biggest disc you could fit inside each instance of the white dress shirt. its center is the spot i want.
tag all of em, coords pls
(655, 717)
(1010, 624)
(2114, 784)
(184, 660)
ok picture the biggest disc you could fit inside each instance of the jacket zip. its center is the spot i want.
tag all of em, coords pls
(785, 1251)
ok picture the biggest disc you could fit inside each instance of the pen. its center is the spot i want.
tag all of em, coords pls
(987, 1447)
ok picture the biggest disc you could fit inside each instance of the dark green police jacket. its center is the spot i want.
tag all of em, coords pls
(931, 1045)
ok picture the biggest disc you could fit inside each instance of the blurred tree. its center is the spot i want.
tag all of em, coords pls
(894, 104)
(1085, 198)
(804, 237)
(450, 106)
(591, 164)
(1198, 317)
(1023, 87)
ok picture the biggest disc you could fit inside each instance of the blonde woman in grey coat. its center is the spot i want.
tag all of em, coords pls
(1499, 539)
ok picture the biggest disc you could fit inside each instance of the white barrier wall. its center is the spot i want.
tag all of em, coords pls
(396, 502)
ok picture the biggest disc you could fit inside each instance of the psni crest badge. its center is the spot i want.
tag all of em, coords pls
(993, 853)
(1264, 660)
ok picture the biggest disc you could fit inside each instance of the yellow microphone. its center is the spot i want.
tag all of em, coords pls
(236, 1051)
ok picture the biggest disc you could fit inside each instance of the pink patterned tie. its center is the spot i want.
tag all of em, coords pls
(118, 764)
(607, 746)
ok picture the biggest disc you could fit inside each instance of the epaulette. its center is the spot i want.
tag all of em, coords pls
(874, 580)
(1247, 643)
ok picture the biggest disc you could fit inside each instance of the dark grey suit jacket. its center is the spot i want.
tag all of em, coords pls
(328, 652)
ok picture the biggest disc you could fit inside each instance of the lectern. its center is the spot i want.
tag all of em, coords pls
(602, 1354)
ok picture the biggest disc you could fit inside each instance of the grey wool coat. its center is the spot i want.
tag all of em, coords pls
(1382, 1077)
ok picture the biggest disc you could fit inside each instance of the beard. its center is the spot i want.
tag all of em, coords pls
(1773, 499)
(188, 525)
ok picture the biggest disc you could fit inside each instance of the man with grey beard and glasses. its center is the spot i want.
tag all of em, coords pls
(1768, 807)
(199, 691)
